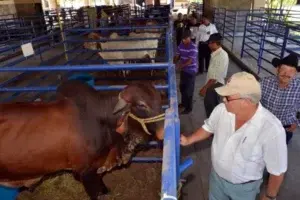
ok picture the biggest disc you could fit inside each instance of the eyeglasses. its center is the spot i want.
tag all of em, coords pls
(227, 99)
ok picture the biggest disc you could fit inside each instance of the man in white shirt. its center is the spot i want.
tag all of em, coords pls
(204, 32)
(247, 138)
(217, 72)
(194, 27)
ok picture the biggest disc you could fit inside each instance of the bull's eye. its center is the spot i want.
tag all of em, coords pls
(142, 105)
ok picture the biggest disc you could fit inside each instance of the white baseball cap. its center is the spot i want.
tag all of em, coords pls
(242, 83)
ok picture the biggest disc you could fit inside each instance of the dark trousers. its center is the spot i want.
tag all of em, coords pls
(186, 86)
(211, 99)
(203, 56)
(178, 40)
(288, 134)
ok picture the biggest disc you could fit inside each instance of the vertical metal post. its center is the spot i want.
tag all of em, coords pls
(245, 34)
(214, 15)
(71, 16)
(33, 29)
(61, 30)
(175, 108)
(234, 29)
(8, 35)
(285, 38)
(262, 46)
(224, 22)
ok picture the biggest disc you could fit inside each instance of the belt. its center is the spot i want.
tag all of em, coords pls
(287, 126)
(248, 182)
(237, 183)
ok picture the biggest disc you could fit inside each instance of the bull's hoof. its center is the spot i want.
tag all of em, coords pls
(126, 158)
(110, 166)
(101, 170)
(101, 195)
(119, 161)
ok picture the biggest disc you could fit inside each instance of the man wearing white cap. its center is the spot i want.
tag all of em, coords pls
(247, 138)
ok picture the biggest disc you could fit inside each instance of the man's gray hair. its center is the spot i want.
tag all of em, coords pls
(254, 98)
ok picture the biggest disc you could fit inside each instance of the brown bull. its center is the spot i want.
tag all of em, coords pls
(79, 132)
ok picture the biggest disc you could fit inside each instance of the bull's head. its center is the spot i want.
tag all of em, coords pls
(152, 23)
(93, 45)
(141, 102)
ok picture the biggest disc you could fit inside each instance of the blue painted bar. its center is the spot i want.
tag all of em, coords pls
(171, 152)
(146, 159)
(137, 18)
(145, 66)
(169, 171)
(185, 164)
(65, 76)
(28, 41)
(31, 83)
(53, 88)
(114, 50)
(15, 62)
(111, 60)
(116, 28)
(113, 40)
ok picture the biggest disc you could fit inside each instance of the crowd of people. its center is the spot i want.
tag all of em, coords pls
(252, 121)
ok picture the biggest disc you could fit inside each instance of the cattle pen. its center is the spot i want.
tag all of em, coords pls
(34, 76)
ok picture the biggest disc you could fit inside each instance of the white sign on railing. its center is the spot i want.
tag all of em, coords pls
(27, 49)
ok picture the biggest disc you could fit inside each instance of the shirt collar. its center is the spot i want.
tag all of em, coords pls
(213, 54)
(256, 118)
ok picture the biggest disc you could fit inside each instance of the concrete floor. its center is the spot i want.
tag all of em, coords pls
(196, 187)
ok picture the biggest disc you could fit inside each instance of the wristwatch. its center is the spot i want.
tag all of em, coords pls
(270, 197)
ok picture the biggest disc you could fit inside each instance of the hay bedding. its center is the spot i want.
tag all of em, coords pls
(138, 181)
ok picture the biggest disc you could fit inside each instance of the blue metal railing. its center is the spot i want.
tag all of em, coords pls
(266, 37)
(259, 35)
(17, 29)
(171, 167)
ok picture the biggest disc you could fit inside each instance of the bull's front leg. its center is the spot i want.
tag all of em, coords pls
(113, 156)
(113, 159)
(93, 184)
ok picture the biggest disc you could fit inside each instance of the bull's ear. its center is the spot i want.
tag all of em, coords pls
(120, 106)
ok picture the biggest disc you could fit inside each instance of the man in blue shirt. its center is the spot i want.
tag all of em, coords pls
(186, 61)
(281, 93)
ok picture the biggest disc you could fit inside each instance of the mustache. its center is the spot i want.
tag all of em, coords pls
(284, 76)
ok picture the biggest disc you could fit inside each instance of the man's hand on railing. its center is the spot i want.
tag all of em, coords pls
(184, 141)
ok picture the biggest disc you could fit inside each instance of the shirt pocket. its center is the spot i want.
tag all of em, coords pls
(251, 152)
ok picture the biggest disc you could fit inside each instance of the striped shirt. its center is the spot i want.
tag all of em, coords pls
(282, 102)
(187, 52)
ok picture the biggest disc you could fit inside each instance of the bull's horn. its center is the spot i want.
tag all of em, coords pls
(120, 105)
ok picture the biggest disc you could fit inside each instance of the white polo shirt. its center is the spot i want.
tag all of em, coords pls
(241, 156)
(194, 31)
(218, 66)
(204, 32)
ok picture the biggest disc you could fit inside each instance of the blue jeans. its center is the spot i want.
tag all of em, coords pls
(220, 189)
(187, 86)
(289, 134)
